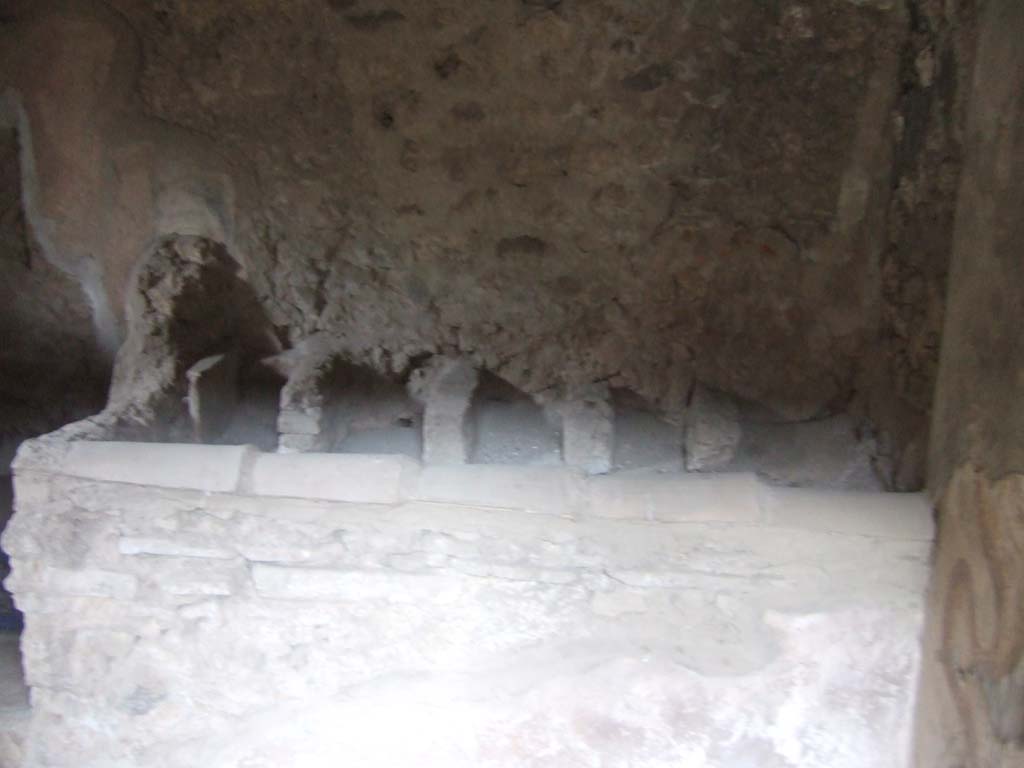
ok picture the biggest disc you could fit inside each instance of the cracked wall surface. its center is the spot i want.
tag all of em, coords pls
(645, 195)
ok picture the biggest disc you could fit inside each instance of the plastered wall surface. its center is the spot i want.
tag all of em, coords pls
(215, 606)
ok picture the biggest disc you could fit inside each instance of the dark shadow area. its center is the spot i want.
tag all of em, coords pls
(644, 437)
(253, 420)
(510, 428)
(51, 368)
(10, 617)
(372, 413)
(190, 369)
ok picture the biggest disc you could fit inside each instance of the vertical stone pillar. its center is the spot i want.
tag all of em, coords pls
(713, 430)
(588, 430)
(304, 422)
(445, 387)
(212, 395)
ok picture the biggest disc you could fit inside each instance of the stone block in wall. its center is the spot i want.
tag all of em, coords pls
(673, 498)
(713, 430)
(304, 414)
(335, 477)
(445, 387)
(178, 546)
(32, 487)
(588, 431)
(619, 602)
(300, 422)
(550, 490)
(278, 581)
(269, 553)
(883, 515)
(87, 582)
(299, 443)
(524, 574)
(191, 577)
(26, 535)
(413, 562)
(213, 468)
(191, 585)
(212, 395)
(71, 537)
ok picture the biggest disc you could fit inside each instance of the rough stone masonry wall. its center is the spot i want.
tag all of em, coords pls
(751, 195)
(215, 606)
(972, 698)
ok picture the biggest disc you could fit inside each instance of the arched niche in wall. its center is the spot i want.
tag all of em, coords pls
(510, 427)
(373, 413)
(191, 366)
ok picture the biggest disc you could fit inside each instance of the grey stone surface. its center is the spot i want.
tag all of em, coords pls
(641, 198)
(166, 465)
(713, 430)
(885, 515)
(338, 477)
(304, 420)
(649, 495)
(821, 453)
(445, 387)
(588, 431)
(15, 716)
(13, 692)
(552, 490)
(86, 582)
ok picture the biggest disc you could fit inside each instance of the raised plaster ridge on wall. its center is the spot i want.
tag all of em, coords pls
(389, 479)
(84, 269)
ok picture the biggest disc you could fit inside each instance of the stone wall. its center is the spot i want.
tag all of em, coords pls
(217, 606)
(972, 697)
(751, 195)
